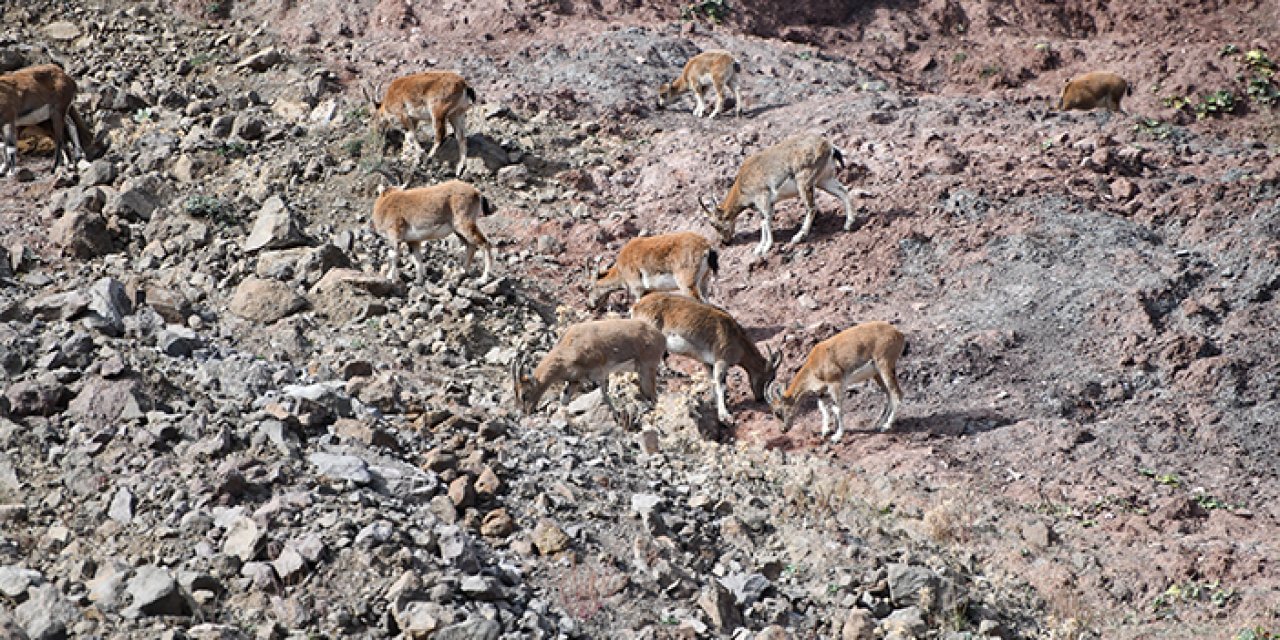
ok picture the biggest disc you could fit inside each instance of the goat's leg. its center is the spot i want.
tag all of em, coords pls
(418, 261)
(833, 187)
(719, 100)
(835, 391)
(718, 375)
(459, 123)
(805, 184)
(699, 104)
(766, 233)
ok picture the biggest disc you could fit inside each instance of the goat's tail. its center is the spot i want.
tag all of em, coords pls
(471, 94)
(485, 207)
(713, 261)
(838, 155)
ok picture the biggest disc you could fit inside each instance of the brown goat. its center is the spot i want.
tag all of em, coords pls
(1093, 90)
(443, 97)
(413, 216)
(36, 94)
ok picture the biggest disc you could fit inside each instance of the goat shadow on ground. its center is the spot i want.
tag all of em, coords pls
(953, 423)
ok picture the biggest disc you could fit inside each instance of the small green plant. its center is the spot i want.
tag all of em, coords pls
(235, 148)
(989, 70)
(1166, 479)
(203, 206)
(1175, 102)
(1263, 92)
(804, 55)
(1190, 592)
(201, 59)
(143, 115)
(1256, 633)
(1153, 128)
(959, 58)
(1257, 60)
(354, 147)
(356, 113)
(1219, 102)
(714, 11)
(1228, 50)
(1046, 144)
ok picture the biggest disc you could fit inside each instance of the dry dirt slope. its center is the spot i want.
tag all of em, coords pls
(1092, 380)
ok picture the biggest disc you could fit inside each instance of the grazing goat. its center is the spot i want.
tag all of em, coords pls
(413, 216)
(715, 69)
(711, 336)
(868, 351)
(443, 97)
(790, 168)
(31, 96)
(1093, 90)
(591, 351)
(676, 261)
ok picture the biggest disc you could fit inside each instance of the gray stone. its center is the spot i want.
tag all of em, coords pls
(262, 60)
(59, 306)
(212, 631)
(904, 624)
(155, 592)
(62, 30)
(473, 629)
(14, 580)
(46, 614)
(275, 227)
(718, 603)
(121, 509)
(265, 301)
(418, 620)
(456, 548)
(481, 588)
(104, 404)
(261, 575)
(243, 539)
(858, 625)
(107, 585)
(109, 304)
(340, 467)
(906, 581)
(178, 341)
(82, 234)
(289, 564)
(747, 588)
(100, 172)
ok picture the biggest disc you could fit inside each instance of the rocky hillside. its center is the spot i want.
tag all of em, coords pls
(219, 420)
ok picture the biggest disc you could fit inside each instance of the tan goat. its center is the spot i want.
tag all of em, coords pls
(788, 169)
(711, 336)
(715, 69)
(33, 95)
(1093, 90)
(443, 97)
(413, 216)
(869, 351)
(591, 351)
(676, 261)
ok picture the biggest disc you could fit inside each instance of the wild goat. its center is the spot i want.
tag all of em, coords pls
(441, 96)
(591, 351)
(413, 216)
(1093, 90)
(676, 261)
(716, 69)
(711, 336)
(790, 168)
(31, 96)
(869, 351)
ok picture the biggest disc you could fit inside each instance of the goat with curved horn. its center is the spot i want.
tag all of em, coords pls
(710, 335)
(680, 262)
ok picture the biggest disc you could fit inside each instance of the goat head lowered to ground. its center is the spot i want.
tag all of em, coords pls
(868, 351)
(715, 69)
(711, 336)
(441, 97)
(36, 94)
(591, 351)
(793, 167)
(672, 262)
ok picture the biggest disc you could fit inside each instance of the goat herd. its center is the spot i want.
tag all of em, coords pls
(667, 274)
